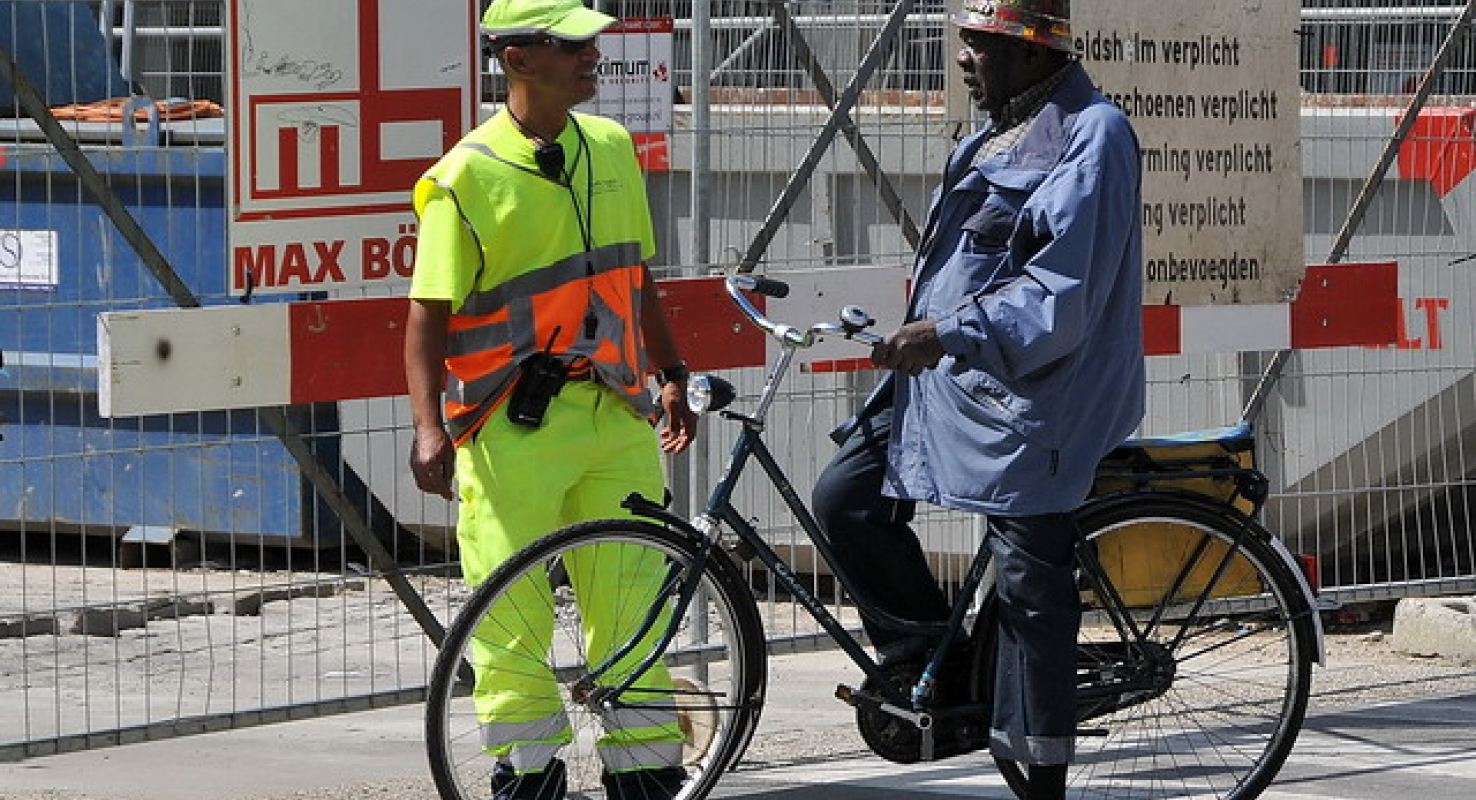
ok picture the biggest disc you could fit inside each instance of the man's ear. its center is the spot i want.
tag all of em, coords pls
(514, 60)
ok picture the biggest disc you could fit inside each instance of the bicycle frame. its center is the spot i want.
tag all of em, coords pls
(1132, 667)
(750, 445)
(720, 510)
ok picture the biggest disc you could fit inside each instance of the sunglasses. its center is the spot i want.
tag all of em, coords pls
(569, 46)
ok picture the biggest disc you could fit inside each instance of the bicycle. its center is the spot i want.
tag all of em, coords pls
(1193, 669)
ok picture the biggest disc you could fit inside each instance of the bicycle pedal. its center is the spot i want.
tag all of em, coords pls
(859, 698)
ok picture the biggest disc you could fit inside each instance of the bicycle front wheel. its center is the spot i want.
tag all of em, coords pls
(555, 656)
(1194, 657)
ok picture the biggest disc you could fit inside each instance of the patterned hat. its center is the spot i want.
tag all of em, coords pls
(1046, 22)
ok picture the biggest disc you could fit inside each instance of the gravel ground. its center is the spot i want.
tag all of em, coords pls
(1363, 669)
(269, 619)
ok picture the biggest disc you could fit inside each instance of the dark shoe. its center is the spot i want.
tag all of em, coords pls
(1047, 782)
(644, 784)
(550, 784)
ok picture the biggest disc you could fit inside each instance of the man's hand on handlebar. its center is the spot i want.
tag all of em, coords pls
(912, 348)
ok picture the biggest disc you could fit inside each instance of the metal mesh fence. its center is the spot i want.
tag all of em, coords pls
(1367, 447)
(166, 573)
(169, 574)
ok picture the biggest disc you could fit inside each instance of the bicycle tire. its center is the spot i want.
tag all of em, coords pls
(718, 673)
(1225, 721)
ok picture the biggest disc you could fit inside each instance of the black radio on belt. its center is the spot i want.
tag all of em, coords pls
(540, 377)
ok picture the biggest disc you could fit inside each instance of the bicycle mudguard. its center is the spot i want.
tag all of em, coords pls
(643, 506)
(1319, 655)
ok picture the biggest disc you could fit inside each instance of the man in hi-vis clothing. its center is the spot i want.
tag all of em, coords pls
(534, 231)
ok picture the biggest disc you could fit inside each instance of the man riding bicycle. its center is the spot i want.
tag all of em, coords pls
(1020, 365)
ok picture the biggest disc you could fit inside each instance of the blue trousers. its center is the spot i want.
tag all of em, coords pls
(1039, 611)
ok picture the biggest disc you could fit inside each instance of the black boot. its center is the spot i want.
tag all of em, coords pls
(550, 784)
(644, 784)
(1047, 782)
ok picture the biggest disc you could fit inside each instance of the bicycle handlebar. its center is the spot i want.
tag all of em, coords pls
(853, 319)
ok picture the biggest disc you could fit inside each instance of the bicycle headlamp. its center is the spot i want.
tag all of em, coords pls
(709, 393)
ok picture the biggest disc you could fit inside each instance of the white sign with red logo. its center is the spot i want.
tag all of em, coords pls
(636, 85)
(337, 107)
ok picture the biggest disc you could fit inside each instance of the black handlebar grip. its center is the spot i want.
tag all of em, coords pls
(770, 287)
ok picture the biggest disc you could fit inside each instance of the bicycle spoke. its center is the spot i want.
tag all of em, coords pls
(628, 716)
(1195, 670)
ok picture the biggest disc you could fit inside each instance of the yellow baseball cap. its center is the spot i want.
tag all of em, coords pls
(565, 19)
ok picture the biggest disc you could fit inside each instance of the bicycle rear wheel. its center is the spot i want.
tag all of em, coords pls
(710, 679)
(1194, 658)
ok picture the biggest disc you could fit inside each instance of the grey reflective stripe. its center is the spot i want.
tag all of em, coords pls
(512, 31)
(486, 387)
(641, 737)
(636, 717)
(529, 745)
(490, 153)
(480, 148)
(533, 757)
(457, 344)
(521, 319)
(602, 259)
(1032, 749)
(623, 758)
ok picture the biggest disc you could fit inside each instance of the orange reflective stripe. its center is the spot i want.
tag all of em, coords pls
(461, 322)
(480, 362)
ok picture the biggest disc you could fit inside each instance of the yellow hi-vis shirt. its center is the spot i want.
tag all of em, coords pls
(530, 263)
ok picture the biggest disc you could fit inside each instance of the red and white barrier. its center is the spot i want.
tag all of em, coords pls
(177, 360)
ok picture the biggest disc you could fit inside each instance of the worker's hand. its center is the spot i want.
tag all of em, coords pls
(678, 422)
(433, 461)
(912, 348)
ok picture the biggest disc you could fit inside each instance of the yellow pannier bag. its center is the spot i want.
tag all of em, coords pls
(1145, 560)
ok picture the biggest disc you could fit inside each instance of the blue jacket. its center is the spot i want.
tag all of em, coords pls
(1031, 266)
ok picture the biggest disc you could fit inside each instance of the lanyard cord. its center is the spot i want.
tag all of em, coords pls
(583, 215)
(585, 220)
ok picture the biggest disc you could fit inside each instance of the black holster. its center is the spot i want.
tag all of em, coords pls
(540, 377)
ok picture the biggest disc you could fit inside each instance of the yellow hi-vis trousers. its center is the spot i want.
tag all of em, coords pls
(516, 484)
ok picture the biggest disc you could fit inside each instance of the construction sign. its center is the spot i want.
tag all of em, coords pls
(636, 87)
(337, 107)
(1212, 90)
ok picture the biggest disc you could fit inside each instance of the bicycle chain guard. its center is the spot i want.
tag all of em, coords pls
(900, 740)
